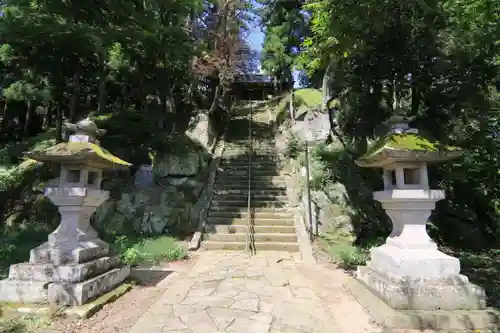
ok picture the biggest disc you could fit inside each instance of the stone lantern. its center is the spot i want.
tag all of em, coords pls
(408, 271)
(74, 265)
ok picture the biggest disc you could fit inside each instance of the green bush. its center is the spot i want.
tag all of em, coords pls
(346, 255)
(294, 146)
(149, 251)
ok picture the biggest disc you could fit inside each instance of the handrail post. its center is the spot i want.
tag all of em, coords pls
(308, 189)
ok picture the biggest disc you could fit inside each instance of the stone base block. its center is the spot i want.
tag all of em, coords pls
(70, 273)
(84, 251)
(14, 291)
(392, 319)
(423, 294)
(73, 294)
(413, 263)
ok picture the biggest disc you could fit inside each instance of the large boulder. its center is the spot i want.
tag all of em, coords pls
(201, 130)
(151, 210)
(182, 158)
(186, 165)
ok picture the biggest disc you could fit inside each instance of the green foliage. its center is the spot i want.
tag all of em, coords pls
(285, 26)
(17, 241)
(25, 324)
(149, 251)
(302, 99)
(294, 146)
(311, 98)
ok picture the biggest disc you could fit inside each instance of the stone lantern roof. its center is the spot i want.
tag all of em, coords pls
(405, 145)
(83, 149)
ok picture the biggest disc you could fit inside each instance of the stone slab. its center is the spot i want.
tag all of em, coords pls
(85, 251)
(70, 273)
(424, 294)
(14, 291)
(89, 309)
(391, 318)
(414, 263)
(75, 294)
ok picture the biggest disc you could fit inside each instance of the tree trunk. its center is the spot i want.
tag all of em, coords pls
(27, 119)
(59, 121)
(5, 121)
(102, 93)
(325, 85)
(49, 116)
(75, 94)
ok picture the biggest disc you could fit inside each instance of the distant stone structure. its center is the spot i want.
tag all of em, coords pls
(74, 265)
(409, 272)
(311, 125)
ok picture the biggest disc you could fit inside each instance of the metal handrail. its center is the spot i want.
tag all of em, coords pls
(248, 246)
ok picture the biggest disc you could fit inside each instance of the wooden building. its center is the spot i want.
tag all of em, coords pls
(254, 86)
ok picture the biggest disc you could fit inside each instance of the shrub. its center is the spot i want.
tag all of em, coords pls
(346, 255)
(150, 251)
(294, 146)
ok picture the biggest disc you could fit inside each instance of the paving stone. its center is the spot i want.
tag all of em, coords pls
(179, 310)
(218, 312)
(246, 305)
(248, 325)
(171, 325)
(230, 292)
(223, 322)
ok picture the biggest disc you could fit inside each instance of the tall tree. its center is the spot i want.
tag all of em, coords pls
(285, 27)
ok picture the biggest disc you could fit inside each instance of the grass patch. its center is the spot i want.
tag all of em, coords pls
(309, 97)
(150, 251)
(302, 98)
(23, 324)
(343, 253)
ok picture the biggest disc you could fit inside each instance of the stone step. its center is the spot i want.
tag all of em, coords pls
(70, 273)
(244, 203)
(28, 292)
(281, 210)
(253, 170)
(236, 228)
(254, 157)
(254, 173)
(255, 200)
(256, 193)
(277, 181)
(222, 177)
(259, 246)
(80, 293)
(245, 151)
(240, 237)
(269, 219)
(238, 177)
(241, 162)
(254, 187)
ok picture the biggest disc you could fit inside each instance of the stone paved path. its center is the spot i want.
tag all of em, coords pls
(267, 293)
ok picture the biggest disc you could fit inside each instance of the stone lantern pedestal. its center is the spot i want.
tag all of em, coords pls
(409, 272)
(74, 265)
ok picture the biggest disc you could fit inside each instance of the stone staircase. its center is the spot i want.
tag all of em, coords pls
(273, 223)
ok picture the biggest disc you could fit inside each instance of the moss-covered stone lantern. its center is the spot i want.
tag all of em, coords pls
(408, 271)
(74, 265)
